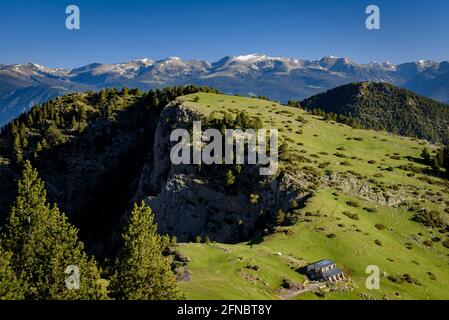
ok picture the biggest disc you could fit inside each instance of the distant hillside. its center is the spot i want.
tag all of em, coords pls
(382, 106)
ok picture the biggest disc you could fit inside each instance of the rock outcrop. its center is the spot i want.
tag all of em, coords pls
(187, 204)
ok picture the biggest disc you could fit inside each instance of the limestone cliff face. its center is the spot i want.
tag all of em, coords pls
(187, 204)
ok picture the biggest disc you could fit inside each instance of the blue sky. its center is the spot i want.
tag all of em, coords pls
(117, 31)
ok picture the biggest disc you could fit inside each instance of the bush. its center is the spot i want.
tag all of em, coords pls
(350, 215)
(288, 284)
(395, 279)
(428, 243)
(353, 204)
(406, 277)
(340, 155)
(253, 198)
(429, 219)
(446, 243)
(432, 276)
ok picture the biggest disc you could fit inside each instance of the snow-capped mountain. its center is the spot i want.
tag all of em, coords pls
(281, 78)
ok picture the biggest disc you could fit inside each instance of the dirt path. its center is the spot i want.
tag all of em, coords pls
(287, 294)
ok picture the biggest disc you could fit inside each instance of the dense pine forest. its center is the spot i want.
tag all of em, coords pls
(382, 106)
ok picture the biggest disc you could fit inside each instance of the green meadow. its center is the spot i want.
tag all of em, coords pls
(338, 223)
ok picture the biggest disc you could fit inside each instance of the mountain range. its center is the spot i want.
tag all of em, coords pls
(24, 85)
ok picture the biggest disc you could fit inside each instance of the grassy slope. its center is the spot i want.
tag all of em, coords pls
(219, 271)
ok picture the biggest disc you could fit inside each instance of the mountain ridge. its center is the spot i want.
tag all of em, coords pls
(250, 75)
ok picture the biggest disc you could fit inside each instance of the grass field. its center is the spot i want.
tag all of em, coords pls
(382, 235)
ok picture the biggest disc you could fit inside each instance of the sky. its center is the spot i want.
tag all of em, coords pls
(117, 31)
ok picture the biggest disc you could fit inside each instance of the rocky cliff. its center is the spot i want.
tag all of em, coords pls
(188, 203)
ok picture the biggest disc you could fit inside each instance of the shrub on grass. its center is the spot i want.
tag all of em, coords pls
(395, 279)
(350, 215)
(353, 204)
(428, 243)
(432, 276)
(340, 155)
(429, 219)
(446, 243)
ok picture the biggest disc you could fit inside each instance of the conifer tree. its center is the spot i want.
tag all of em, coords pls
(141, 270)
(426, 156)
(10, 287)
(30, 120)
(82, 113)
(44, 245)
(230, 178)
(438, 160)
(125, 91)
(74, 123)
(445, 163)
(17, 145)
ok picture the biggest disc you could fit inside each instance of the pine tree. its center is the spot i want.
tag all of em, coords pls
(230, 178)
(141, 270)
(14, 130)
(30, 120)
(74, 124)
(17, 145)
(44, 244)
(445, 163)
(10, 287)
(22, 131)
(438, 160)
(426, 156)
(280, 218)
(125, 92)
(82, 113)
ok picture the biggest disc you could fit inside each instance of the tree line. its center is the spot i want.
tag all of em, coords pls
(55, 122)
